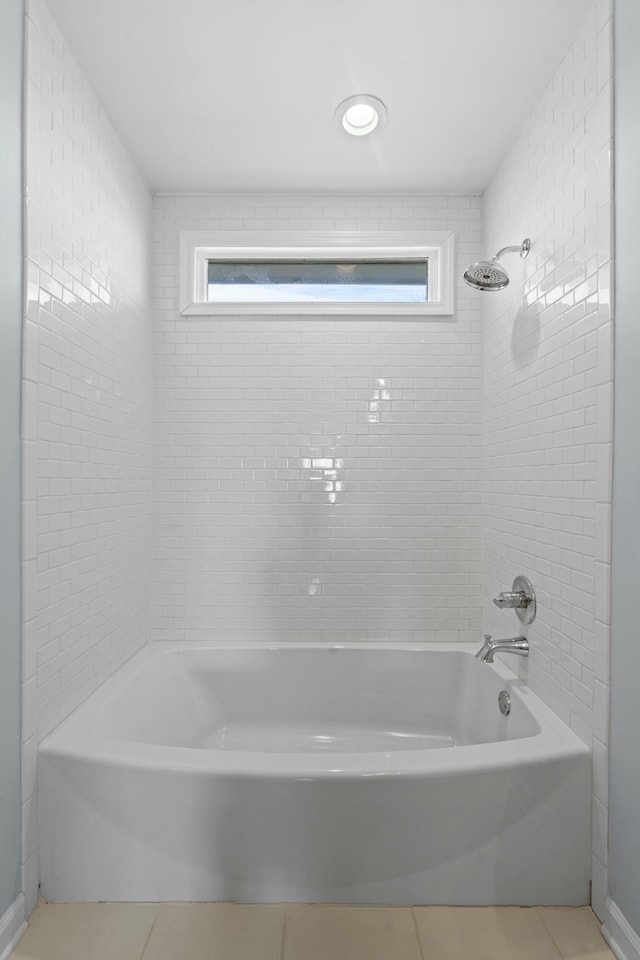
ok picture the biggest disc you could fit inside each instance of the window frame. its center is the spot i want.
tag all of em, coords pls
(197, 247)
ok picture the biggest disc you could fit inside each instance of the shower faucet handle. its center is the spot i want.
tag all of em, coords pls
(521, 598)
(511, 600)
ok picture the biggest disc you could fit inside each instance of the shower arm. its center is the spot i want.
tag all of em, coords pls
(522, 249)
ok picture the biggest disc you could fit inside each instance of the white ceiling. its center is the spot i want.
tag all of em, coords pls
(240, 95)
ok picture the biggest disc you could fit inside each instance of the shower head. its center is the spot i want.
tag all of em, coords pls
(487, 275)
(491, 275)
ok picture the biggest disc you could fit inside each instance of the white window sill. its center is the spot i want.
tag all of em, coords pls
(389, 310)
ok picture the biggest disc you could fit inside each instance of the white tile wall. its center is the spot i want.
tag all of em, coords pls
(547, 394)
(86, 400)
(316, 478)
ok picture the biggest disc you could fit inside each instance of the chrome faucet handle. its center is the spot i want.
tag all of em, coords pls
(521, 598)
(511, 600)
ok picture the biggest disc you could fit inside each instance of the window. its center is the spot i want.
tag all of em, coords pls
(400, 274)
(313, 281)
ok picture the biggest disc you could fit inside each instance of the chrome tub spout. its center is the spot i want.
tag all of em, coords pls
(517, 645)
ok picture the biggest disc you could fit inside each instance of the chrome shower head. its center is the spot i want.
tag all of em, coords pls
(487, 275)
(491, 275)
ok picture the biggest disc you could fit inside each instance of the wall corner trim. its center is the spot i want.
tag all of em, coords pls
(12, 925)
(619, 934)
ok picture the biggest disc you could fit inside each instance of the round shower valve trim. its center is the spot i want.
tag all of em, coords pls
(521, 598)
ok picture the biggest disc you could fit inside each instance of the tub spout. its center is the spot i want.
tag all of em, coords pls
(517, 645)
(485, 648)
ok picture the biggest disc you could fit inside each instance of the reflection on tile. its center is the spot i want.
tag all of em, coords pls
(484, 933)
(216, 931)
(576, 933)
(321, 932)
(340, 449)
(87, 931)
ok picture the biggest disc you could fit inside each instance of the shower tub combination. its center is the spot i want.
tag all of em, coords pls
(365, 773)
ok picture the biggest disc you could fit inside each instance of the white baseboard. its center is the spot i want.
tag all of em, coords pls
(619, 934)
(12, 923)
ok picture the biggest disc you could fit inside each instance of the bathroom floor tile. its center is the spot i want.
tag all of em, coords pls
(216, 931)
(323, 932)
(87, 931)
(484, 933)
(576, 933)
(227, 931)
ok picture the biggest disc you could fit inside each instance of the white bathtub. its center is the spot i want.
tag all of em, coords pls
(369, 773)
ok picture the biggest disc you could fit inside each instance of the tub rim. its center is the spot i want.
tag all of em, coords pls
(76, 738)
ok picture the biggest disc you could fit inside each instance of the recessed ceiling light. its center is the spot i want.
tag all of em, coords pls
(361, 114)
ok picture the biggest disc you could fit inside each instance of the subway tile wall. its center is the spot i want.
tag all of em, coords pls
(316, 478)
(87, 391)
(547, 398)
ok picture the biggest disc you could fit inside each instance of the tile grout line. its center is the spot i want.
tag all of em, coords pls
(285, 914)
(417, 932)
(541, 911)
(151, 929)
(538, 911)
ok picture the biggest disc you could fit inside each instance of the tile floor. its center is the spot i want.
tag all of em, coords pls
(226, 931)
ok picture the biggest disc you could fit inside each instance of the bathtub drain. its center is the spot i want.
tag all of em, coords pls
(504, 702)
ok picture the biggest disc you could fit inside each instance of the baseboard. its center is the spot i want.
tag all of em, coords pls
(12, 923)
(619, 934)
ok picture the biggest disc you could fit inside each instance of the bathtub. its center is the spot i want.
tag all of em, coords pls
(363, 773)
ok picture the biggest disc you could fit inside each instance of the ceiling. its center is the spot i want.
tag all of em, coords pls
(240, 95)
